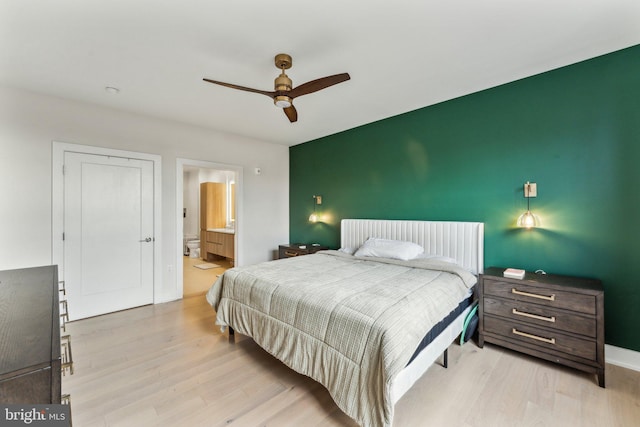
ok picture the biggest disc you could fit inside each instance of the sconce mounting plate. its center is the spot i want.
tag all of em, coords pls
(530, 189)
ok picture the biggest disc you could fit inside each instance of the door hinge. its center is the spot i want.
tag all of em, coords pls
(63, 236)
(62, 169)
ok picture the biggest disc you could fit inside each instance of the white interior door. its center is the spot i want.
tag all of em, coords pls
(108, 233)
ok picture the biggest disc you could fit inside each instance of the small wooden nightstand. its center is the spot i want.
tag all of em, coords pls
(556, 318)
(296, 249)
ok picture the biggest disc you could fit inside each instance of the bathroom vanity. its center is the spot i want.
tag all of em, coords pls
(215, 239)
(219, 242)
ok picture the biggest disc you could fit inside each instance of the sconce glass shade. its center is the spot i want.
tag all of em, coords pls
(528, 220)
(316, 217)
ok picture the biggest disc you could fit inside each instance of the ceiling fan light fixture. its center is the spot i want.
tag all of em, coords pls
(282, 101)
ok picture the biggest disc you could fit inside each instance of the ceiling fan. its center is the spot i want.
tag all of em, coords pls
(284, 92)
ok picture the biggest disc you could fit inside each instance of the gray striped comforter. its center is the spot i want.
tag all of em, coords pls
(349, 323)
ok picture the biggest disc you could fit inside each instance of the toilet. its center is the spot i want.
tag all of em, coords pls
(194, 248)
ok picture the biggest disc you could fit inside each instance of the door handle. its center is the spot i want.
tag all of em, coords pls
(147, 240)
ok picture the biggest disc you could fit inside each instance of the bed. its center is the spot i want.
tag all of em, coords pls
(354, 319)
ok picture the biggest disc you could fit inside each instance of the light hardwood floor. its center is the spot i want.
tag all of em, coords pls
(197, 281)
(167, 365)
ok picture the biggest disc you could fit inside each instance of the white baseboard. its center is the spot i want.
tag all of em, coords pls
(622, 357)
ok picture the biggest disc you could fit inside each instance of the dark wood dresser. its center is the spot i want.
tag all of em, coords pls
(556, 318)
(297, 249)
(30, 365)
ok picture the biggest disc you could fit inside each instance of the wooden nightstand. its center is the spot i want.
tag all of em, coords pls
(296, 249)
(556, 318)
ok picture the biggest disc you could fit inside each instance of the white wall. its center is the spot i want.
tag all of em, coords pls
(29, 123)
(212, 175)
(191, 197)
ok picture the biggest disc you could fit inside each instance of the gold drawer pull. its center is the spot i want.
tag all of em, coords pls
(288, 253)
(533, 337)
(527, 294)
(551, 319)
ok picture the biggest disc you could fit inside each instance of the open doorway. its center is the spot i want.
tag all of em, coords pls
(208, 223)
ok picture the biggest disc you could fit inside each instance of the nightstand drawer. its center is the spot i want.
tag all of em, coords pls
(292, 250)
(534, 336)
(288, 253)
(541, 315)
(541, 295)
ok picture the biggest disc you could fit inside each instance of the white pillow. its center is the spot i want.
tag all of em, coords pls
(385, 248)
(349, 251)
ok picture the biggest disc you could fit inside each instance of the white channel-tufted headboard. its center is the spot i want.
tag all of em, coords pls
(463, 241)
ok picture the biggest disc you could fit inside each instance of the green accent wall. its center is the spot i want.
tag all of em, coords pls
(575, 131)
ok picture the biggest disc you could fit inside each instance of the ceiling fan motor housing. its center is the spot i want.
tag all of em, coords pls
(282, 84)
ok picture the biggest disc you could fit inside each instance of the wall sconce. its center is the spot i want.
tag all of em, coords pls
(528, 219)
(315, 217)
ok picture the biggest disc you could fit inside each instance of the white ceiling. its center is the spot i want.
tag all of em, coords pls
(401, 55)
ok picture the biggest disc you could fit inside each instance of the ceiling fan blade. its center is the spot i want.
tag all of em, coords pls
(246, 89)
(291, 113)
(318, 84)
